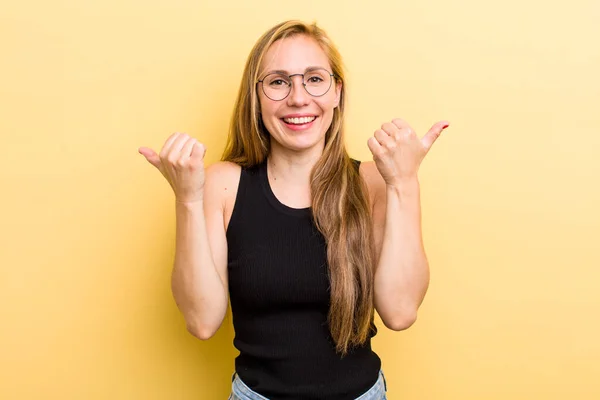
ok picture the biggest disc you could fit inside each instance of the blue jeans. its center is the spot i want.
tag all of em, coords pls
(239, 390)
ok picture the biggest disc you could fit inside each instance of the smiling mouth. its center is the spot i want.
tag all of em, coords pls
(299, 121)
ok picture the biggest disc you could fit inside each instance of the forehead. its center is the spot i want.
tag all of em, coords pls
(294, 55)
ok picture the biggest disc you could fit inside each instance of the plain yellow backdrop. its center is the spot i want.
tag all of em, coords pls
(511, 190)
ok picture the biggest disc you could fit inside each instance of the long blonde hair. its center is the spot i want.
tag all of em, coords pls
(340, 205)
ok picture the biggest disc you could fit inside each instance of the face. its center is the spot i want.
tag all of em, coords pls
(300, 121)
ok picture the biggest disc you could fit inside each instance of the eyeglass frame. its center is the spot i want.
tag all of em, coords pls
(332, 75)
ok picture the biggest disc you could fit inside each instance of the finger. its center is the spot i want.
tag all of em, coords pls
(167, 146)
(375, 147)
(151, 156)
(435, 131)
(198, 151)
(186, 151)
(391, 129)
(383, 138)
(402, 124)
(171, 139)
(177, 147)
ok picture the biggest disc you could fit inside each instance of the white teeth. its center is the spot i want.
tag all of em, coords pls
(299, 121)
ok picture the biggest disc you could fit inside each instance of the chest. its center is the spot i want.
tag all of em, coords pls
(277, 264)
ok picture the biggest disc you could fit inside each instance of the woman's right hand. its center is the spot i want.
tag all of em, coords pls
(181, 161)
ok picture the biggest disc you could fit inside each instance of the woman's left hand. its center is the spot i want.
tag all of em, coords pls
(398, 151)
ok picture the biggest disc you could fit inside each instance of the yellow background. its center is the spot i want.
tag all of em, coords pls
(511, 191)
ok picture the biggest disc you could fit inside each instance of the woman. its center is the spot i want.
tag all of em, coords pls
(303, 240)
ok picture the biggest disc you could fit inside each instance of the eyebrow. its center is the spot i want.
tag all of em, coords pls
(284, 72)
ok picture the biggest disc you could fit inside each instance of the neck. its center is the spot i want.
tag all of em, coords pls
(292, 166)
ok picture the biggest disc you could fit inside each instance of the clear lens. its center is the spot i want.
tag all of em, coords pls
(277, 86)
(317, 82)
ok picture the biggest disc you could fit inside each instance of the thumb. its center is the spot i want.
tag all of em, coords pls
(151, 156)
(435, 131)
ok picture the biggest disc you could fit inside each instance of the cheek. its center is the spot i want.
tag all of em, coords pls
(327, 105)
(329, 101)
(268, 116)
(267, 109)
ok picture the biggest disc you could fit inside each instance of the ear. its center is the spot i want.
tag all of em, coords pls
(338, 94)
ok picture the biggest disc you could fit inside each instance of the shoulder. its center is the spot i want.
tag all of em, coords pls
(223, 170)
(222, 174)
(221, 181)
(370, 174)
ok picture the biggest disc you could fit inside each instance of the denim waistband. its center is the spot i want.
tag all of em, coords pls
(239, 390)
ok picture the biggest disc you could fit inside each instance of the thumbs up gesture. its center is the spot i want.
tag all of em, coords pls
(181, 162)
(398, 151)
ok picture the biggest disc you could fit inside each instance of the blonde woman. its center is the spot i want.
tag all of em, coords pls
(303, 240)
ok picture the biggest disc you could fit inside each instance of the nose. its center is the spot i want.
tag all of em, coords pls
(298, 96)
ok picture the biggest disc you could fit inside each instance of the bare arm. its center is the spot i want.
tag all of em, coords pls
(402, 274)
(199, 286)
(199, 276)
(199, 279)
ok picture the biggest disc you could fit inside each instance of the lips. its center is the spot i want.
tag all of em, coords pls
(299, 120)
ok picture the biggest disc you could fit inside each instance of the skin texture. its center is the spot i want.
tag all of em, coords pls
(205, 198)
(402, 275)
(294, 56)
(294, 152)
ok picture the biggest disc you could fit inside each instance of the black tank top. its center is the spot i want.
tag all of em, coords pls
(279, 291)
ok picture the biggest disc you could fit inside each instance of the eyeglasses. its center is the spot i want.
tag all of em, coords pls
(277, 86)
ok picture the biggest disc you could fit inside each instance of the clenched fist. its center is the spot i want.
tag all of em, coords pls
(398, 151)
(181, 161)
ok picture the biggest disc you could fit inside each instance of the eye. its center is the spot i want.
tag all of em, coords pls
(314, 79)
(277, 82)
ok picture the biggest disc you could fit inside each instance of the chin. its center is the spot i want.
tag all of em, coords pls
(299, 140)
(301, 145)
(304, 141)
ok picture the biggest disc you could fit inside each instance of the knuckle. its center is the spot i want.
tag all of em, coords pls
(172, 159)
